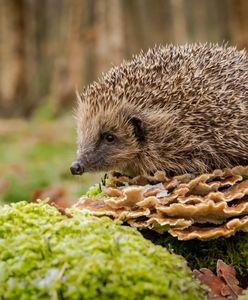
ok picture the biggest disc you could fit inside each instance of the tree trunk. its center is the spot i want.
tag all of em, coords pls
(13, 78)
(109, 33)
(239, 22)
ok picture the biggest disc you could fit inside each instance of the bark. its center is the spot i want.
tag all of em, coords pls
(13, 82)
(109, 33)
(179, 23)
(239, 23)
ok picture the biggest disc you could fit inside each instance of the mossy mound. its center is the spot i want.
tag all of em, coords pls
(46, 255)
(233, 250)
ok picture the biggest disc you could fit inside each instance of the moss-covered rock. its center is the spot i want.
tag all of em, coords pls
(199, 254)
(46, 255)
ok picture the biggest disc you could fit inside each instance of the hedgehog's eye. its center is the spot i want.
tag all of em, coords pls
(109, 138)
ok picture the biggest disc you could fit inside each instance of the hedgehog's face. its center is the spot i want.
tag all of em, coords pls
(108, 140)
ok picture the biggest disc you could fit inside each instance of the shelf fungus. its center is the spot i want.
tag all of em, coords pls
(187, 206)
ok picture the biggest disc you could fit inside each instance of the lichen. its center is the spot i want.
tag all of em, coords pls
(46, 255)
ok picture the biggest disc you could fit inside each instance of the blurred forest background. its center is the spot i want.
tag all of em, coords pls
(49, 47)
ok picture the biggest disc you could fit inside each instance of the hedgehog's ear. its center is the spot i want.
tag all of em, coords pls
(138, 128)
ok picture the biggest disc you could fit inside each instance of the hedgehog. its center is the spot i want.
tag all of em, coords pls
(176, 108)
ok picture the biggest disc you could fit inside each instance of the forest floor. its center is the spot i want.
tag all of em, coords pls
(35, 156)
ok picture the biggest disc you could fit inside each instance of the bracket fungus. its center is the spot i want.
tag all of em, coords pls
(187, 206)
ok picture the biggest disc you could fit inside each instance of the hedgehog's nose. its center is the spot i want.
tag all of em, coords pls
(76, 168)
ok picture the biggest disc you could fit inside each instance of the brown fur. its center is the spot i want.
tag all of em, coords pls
(191, 103)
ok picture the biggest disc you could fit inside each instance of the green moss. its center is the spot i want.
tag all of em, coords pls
(233, 250)
(46, 255)
(94, 190)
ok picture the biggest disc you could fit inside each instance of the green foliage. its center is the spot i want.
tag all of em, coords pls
(38, 154)
(233, 250)
(19, 188)
(46, 255)
(46, 111)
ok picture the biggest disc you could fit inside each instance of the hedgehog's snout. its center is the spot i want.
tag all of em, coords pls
(77, 168)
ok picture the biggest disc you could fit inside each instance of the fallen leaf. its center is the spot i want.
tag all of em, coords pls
(4, 185)
(222, 286)
(227, 272)
(215, 283)
(57, 195)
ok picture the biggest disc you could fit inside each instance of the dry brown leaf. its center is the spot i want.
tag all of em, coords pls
(57, 195)
(4, 185)
(215, 283)
(227, 272)
(222, 286)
